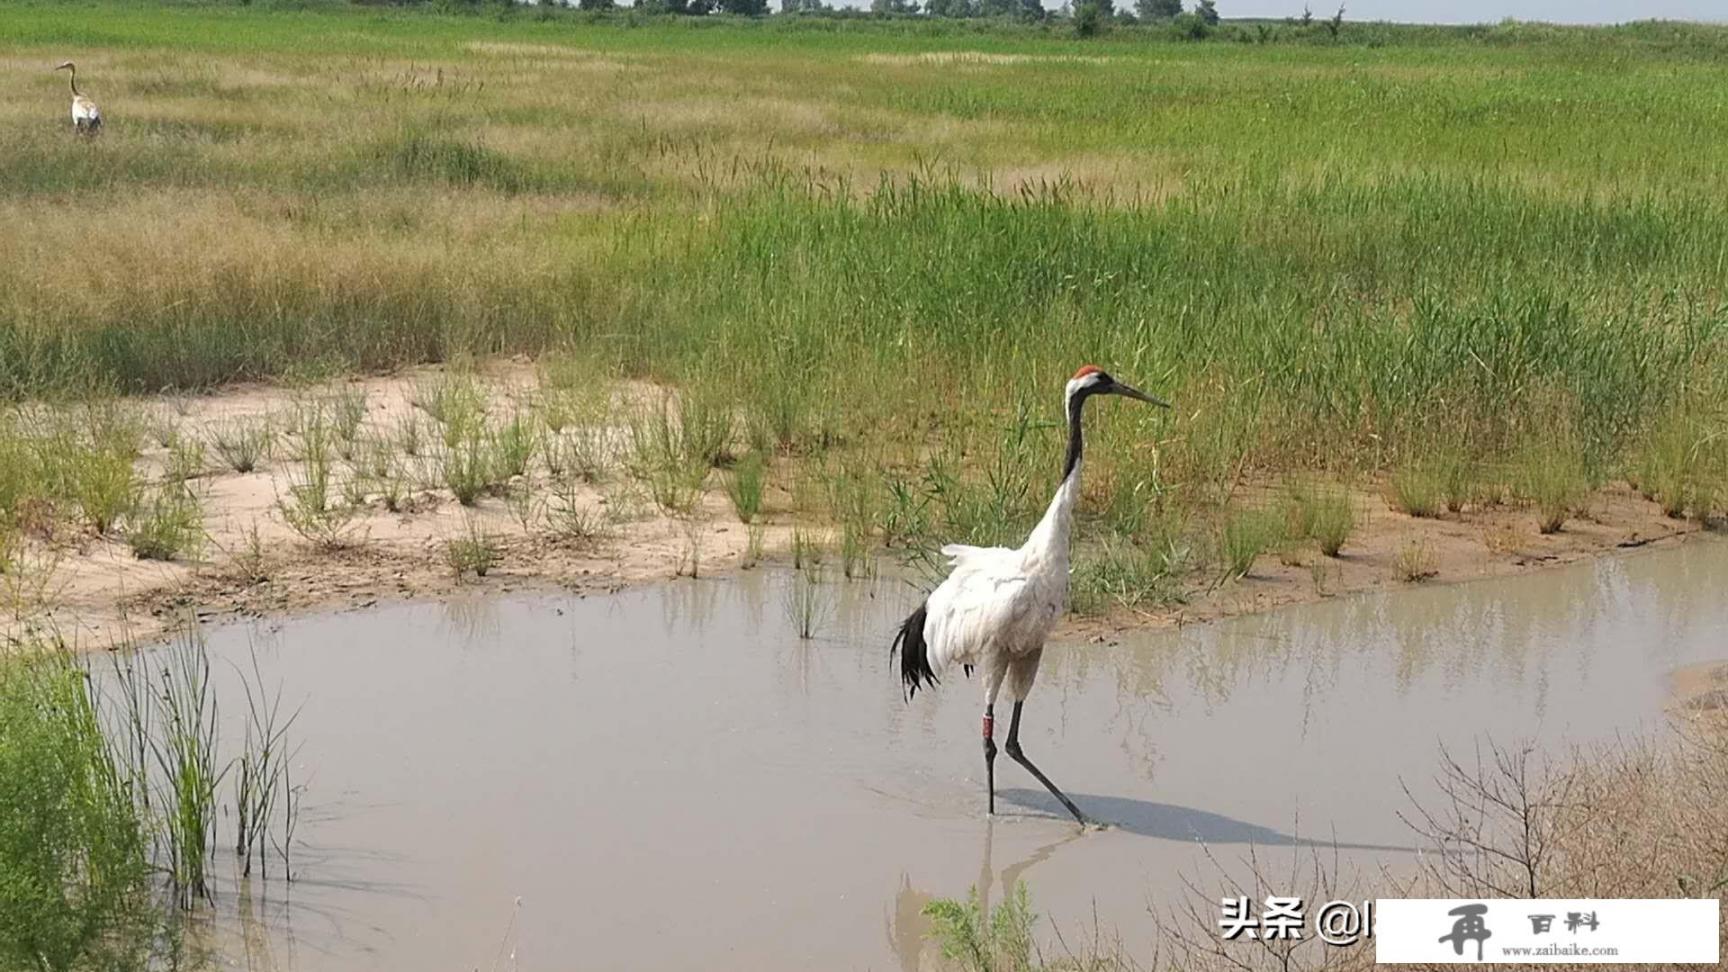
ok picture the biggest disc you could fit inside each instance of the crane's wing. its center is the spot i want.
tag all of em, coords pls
(960, 553)
(987, 598)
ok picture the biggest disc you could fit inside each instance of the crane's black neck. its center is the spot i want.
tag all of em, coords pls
(72, 75)
(1076, 439)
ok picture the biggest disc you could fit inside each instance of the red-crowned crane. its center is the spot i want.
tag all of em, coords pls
(86, 117)
(998, 605)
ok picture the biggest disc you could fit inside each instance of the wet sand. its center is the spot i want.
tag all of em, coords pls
(96, 594)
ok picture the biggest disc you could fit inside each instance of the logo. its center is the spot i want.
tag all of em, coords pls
(1470, 927)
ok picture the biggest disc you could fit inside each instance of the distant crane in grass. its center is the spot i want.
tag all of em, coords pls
(997, 606)
(86, 117)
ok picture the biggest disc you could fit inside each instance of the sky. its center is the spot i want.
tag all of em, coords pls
(1489, 11)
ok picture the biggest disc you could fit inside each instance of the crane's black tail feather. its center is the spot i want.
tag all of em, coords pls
(915, 667)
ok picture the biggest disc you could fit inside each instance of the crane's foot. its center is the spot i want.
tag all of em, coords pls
(1015, 753)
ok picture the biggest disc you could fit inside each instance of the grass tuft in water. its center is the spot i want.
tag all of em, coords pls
(261, 775)
(809, 602)
(187, 770)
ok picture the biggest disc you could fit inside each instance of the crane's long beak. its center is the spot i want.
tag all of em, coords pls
(1119, 388)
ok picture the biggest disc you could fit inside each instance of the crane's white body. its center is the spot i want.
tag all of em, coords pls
(998, 606)
(85, 115)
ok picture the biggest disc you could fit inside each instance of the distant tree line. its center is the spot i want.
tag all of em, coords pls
(1181, 19)
(1096, 13)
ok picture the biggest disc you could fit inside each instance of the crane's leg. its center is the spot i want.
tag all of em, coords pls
(990, 752)
(1020, 757)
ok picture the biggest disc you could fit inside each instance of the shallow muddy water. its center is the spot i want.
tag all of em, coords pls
(669, 778)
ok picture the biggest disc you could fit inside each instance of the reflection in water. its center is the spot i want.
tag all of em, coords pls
(677, 750)
(909, 929)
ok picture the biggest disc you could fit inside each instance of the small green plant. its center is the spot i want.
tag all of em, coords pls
(513, 448)
(27, 573)
(110, 425)
(357, 490)
(806, 549)
(745, 486)
(808, 602)
(347, 410)
(985, 943)
(312, 510)
(411, 436)
(1457, 480)
(250, 561)
(1414, 562)
(581, 451)
(673, 467)
(103, 486)
(754, 541)
(572, 517)
(454, 400)
(704, 426)
(185, 459)
(395, 489)
(474, 553)
(1553, 479)
(524, 504)
(1246, 535)
(1419, 489)
(243, 444)
(261, 774)
(170, 526)
(317, 440)
(164, 427)
(575, 394)
(1324, 514)
(906, 518)
(467, 464)
(677, 488)
(852, 501)
(694, 529)
(187, 765)
(375, 457)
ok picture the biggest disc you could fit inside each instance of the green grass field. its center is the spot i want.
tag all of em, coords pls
(886, 244)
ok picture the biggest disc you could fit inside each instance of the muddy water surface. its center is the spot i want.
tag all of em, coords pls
(670, 778)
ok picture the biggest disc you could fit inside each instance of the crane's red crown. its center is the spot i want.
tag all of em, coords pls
(1084, 371)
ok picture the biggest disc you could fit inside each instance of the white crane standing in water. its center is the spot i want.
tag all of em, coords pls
(997, 606)
(86, 117)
